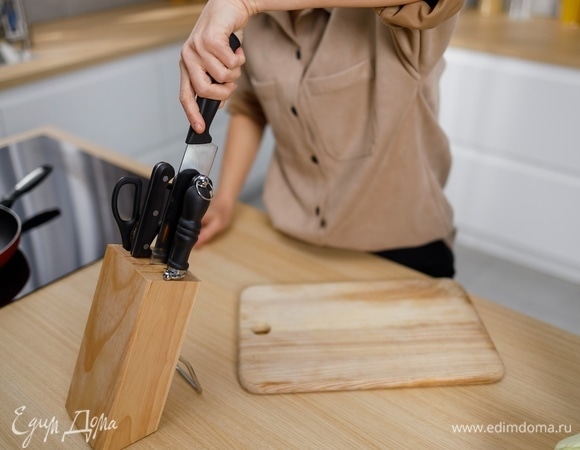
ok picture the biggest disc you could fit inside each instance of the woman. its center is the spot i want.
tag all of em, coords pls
(350, 90)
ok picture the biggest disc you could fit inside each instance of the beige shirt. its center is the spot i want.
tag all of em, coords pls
(352, 98)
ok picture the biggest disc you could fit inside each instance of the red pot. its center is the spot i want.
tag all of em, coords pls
(10, 231)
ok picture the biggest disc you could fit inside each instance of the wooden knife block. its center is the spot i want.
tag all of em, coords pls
(129, 351)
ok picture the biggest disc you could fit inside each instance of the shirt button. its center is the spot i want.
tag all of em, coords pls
(322, 223)
(298, 54)
(314, 159)
(317, 211)
(294, 111)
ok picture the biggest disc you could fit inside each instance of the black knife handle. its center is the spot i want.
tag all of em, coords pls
(172, 213)
(150, 217)
(196, 201)
(208, 108)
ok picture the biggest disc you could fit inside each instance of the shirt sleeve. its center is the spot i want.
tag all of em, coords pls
(422, 15)
(244, 101)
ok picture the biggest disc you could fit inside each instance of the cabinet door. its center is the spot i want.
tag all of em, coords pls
(515, 179)
(513, 108)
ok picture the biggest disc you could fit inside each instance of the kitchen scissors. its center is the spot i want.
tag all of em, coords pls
(139, 230)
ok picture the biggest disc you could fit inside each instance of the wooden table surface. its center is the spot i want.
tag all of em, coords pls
(64, 45)
(536, 404)
(539, 39)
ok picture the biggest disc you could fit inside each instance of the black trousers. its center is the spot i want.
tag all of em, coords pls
(435, 259)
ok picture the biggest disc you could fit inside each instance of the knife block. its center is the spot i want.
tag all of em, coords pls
(130, 350)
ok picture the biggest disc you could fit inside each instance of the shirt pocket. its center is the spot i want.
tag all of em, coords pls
(342, 112)
(267, 94)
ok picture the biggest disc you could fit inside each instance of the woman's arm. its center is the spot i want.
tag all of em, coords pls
(207, 51)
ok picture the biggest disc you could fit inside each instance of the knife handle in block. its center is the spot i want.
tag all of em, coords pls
(195, 204)
(150, 217)
(165, 238)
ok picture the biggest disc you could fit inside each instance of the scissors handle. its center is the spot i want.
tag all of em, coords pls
(127, 226)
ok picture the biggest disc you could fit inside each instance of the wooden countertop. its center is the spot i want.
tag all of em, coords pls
(540, 39)
(65, 45)
(40, 336)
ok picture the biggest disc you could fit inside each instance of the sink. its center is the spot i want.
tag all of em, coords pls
(11, 55)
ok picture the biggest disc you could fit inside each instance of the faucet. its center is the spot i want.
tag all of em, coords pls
(14, 23)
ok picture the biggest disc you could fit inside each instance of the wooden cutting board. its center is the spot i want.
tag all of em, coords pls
(362, 335)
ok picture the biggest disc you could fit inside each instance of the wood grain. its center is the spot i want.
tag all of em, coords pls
(40, 337)
(363, 335)
(69, 44)
(130, 348)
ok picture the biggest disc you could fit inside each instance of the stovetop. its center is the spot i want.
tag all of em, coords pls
(79, 188)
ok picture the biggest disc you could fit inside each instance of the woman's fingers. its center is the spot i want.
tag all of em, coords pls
(208, 66)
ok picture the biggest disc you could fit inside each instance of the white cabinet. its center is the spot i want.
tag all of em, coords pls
(515, 179)
(124, 105)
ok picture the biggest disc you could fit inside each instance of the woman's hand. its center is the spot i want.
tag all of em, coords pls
(217, 219)
(207, 52)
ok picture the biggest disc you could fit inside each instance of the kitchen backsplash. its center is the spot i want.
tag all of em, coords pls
(42, 10)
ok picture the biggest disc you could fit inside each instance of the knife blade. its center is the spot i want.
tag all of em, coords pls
(199, 155)
(200, 151)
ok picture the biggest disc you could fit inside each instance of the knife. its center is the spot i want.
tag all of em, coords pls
(150, 217)
(199, 154)
(166, 235)
(200, 150)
